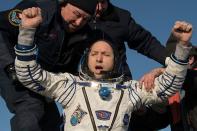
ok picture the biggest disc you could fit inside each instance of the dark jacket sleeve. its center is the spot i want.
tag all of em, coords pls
(5, 56)
(190, 83)
(171, 45)
(9, 22)
(141, 40)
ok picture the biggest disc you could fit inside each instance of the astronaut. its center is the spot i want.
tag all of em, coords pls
(100, 98)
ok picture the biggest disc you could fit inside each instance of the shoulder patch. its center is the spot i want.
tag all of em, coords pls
(13, 17)
(77, 116)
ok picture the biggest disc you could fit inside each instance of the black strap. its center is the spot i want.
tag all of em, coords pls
(89, 109)
(117, 109)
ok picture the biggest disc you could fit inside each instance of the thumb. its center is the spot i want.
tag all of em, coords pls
(141, 81)
(20, 16)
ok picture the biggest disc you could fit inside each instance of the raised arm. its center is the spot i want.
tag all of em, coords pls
(59, 87)
(173, 77)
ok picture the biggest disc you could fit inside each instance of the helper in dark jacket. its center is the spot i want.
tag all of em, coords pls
(58, 37)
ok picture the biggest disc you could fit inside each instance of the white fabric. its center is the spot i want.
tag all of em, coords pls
(64, 89)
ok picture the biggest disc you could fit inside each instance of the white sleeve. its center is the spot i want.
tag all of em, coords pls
(166, 84)
(60, 87)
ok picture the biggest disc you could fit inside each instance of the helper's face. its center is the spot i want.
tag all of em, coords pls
(101, 7)
(100, 58)
(75, 17)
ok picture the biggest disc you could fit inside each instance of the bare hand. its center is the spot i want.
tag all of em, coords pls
(31, 17)
(149, 78)
(182, 32)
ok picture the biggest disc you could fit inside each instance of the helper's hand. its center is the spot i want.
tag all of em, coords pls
(182, 32)
(149, 78)
(31, 17)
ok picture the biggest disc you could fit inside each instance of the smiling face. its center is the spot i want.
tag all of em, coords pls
(100, 58)
(75, 17)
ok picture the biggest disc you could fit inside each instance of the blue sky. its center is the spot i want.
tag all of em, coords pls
(155, 15)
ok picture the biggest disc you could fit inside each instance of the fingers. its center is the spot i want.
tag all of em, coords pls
(20, 16)
(148, 81)
(182, 31)
(31, 12)
(141, 82)
(149, 84)
(31, 17)
(182, 26)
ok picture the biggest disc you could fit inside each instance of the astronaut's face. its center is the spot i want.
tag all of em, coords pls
(75, 17)
(100, 58)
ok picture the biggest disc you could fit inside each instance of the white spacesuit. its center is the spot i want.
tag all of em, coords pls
(91, 104)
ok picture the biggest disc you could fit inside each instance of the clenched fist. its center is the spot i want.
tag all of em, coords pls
(182, 32)
(31, 17)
